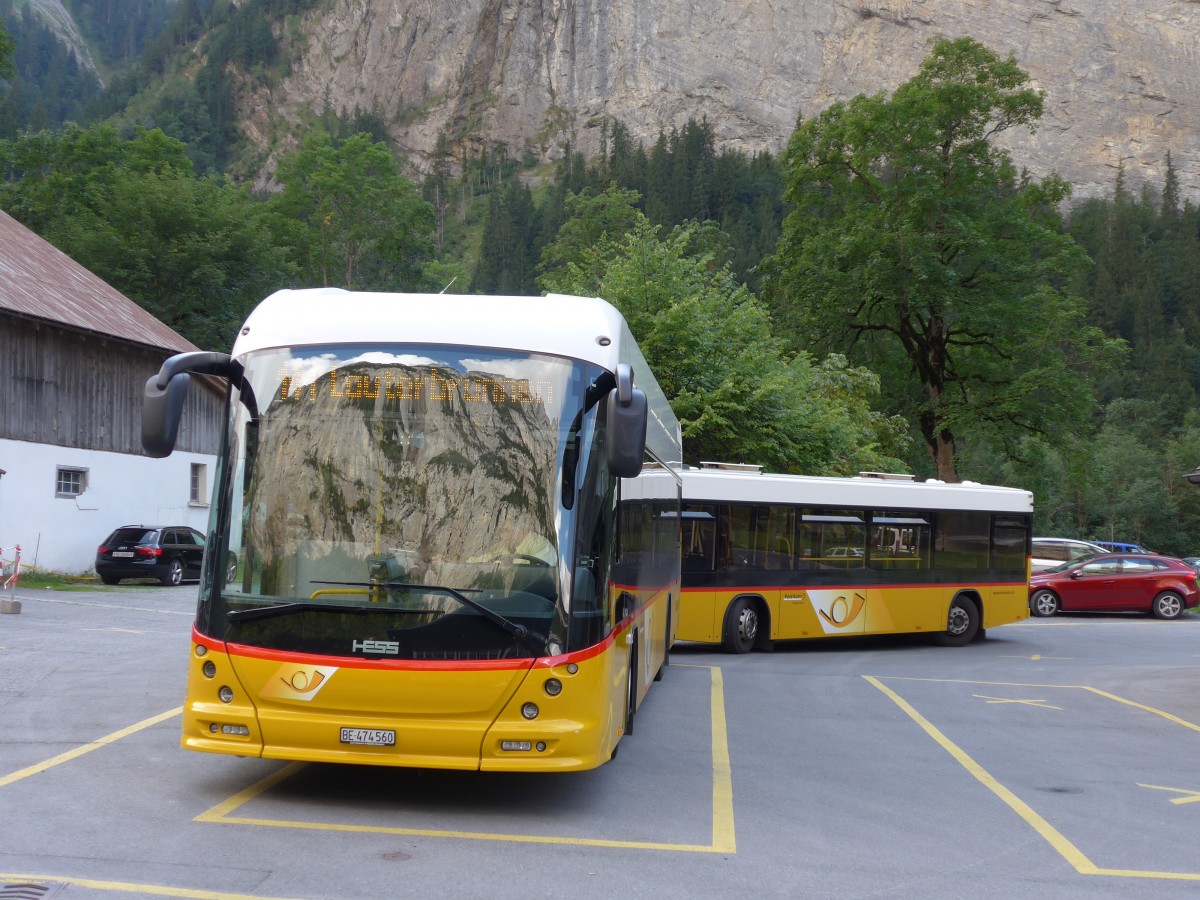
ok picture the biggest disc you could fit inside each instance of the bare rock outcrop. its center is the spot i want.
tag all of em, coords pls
(1121, 76)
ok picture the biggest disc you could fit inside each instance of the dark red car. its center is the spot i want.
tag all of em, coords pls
(1116, 582)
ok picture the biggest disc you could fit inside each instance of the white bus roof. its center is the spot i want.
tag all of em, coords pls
(869, 492)
(583, 328)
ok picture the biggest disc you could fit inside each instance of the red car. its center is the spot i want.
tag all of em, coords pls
(1116, 582)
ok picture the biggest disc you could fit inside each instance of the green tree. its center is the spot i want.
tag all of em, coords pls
(506, 253)
(915, 246)
(594, 222)
(709, 341)
(7, 49)
(195, 252)
(350, 218)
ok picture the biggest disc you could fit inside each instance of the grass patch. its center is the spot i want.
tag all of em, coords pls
(56, 582)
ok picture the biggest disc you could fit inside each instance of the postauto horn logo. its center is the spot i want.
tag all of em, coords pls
(294, 681)
(837, 610)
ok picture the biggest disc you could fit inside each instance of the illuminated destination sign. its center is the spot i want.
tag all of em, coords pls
(394, 384)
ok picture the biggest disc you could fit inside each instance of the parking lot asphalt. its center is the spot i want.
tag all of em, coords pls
(1057, 758)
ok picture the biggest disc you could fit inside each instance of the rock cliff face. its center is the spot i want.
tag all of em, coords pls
(1122, 77)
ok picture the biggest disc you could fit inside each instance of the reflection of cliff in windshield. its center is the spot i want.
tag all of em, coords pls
(416, 474)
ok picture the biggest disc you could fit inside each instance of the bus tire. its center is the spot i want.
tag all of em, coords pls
(962, 623)
(741, 626)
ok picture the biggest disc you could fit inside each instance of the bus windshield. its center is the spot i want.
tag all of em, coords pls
(392, 501)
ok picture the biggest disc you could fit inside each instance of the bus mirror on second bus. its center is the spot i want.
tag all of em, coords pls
(162, 402)
(627, 416)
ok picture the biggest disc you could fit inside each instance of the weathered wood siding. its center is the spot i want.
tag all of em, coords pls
(76, 389)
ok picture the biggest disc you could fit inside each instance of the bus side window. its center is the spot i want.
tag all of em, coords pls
(780, 526)
(699, 531)
(741, 550)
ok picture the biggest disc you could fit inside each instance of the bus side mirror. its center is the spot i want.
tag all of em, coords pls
(627, 417)
(162, 401)
(162, 408)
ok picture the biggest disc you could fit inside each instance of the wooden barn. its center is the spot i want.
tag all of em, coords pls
(74, 357)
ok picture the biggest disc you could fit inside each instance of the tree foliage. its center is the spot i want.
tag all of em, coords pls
(194, 251)
(47, 83)
(684, 178)
(507, 257)
(915, 247)
(6, 53)
(710, 343)
(349, 218)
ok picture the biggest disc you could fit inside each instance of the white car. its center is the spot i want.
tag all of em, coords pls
(1051, 552)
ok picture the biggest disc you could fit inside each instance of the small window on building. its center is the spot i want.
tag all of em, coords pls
(70, 482)
(199, 483)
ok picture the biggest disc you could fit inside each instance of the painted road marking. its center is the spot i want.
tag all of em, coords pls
(1189, 796)
(1040, 704)
(87, 748)
(723, 832)
(156, 890)
(1049, 833)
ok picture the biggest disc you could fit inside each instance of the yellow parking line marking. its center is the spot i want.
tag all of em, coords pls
(1040, 704)
(1150, 709)
(724, 839)
(1052, 836)
(87, 748)
(156, 890)
(1189, 796)
(1049, 833)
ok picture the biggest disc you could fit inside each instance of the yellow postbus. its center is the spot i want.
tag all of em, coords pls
(413, 554)
(785, 557)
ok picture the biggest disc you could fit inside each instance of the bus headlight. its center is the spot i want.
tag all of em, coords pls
(225, 694)
(530, 710)
(553, 687)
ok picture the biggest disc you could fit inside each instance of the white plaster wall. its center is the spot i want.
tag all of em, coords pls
(61, 535)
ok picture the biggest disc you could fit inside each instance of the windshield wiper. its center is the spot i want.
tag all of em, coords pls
(287, 609)
(516, 629)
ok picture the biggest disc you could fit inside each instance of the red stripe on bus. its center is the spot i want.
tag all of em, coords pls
(443, 665)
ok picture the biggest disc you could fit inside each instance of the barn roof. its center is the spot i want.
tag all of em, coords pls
(40, 281)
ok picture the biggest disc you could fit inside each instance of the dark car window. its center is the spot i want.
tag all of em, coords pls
(132, 536)
(193, 538)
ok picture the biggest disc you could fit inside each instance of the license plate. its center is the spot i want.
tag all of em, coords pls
(371, 737)
(122, 553)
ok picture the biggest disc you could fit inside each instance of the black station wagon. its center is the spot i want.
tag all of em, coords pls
(171, 553)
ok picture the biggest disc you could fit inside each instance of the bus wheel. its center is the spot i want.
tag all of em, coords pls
(741, 626)
(961, 624)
